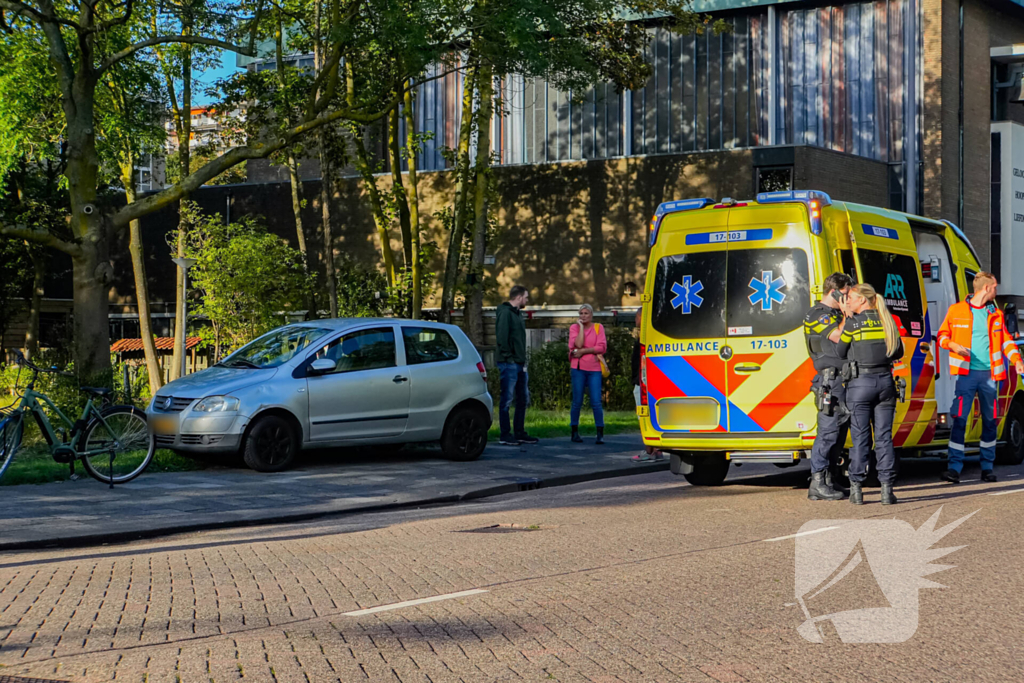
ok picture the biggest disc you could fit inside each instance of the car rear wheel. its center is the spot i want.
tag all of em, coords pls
(271, 445)
(465, 434)
(1012, 450)
(708, 470)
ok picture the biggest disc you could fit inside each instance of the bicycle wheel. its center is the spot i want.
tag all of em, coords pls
(10, 439)
(122, 431)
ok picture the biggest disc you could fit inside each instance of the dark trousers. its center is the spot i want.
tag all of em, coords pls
(513, 385)
(872, 398)
(831, 438)
(979, 383)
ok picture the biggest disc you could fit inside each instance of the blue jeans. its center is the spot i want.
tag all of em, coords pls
(978, 382)
(513, 385)
(591, 381)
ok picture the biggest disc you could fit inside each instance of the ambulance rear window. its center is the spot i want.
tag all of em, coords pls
(688, 301)
(769, 291)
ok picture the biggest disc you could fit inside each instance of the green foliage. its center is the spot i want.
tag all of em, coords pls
(246, 278)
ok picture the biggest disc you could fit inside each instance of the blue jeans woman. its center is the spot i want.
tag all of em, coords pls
(587, 343)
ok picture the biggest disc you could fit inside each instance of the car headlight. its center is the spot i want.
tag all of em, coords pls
(217, 404)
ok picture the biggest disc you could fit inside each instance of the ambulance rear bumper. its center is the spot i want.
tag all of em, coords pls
(740, 445)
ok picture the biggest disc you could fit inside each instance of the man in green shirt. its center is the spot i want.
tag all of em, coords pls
(511, 361)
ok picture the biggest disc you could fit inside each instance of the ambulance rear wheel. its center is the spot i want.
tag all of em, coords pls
(1012, 450)
(708, 470)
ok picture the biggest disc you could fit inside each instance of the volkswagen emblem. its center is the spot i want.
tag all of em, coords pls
(168, 403)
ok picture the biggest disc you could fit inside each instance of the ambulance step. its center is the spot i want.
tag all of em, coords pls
(765, 456)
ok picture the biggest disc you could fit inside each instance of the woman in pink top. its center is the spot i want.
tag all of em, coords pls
(586, 342)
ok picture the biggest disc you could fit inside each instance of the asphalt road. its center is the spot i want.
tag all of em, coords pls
(632, 579)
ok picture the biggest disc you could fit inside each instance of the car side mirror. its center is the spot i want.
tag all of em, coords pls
(321, 366)
(1012, 324)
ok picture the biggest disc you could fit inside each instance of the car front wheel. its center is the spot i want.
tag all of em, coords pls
(271, 445)
(465, 434)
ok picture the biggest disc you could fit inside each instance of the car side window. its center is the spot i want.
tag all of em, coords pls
(428, 345)
(363, 350)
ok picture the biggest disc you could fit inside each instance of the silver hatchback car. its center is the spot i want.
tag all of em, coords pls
(326, 383)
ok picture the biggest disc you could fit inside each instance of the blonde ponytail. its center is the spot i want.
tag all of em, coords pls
(892, 335)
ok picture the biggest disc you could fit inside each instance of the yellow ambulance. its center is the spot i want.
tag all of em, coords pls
(725, 373)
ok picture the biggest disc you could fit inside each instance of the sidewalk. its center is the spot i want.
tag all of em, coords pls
(86, 512)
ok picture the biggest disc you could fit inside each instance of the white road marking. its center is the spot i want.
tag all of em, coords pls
(1003, 493)
(802, 533)
(411, 603)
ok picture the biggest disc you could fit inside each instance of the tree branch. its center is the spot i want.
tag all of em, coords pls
(161, 40)
(236, 156)
(42, 237)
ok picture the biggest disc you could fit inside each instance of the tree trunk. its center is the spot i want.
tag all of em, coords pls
(475, 297)
(451, 267)
(363, 166)
(38, 277)
(414, 204)
(326, 192)
(156, 376)
(184, 129)
(398, 187)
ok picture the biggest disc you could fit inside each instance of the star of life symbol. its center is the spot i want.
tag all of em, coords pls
(889, 554)
(767, 291)
(687, 294)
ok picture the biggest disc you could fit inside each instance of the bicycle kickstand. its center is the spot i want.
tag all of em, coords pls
(111, 468)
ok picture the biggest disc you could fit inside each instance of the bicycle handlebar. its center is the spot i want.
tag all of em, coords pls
(21, 360)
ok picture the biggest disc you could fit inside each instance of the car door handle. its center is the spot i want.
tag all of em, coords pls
(747, 367)
(399, 379)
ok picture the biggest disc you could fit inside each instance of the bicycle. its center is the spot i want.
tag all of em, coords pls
(113, 443)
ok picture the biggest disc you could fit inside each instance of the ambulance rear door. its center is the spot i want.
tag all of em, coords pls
(768, 294)
(887, 259)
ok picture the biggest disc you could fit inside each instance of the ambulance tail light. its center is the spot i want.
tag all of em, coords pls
(674, 207)
(643, 375)
(814, 200)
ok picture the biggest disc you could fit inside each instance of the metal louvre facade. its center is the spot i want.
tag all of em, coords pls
(833, 77)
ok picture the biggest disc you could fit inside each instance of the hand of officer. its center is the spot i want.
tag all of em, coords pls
(1019, 365)
(959, 349)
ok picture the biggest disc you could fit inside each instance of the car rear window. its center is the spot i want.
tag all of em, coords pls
(768, 291)
(688, 301)
(428, 345)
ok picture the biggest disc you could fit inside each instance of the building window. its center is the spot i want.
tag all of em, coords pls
(775, 179)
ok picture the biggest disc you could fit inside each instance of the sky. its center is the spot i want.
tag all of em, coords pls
(209, 77)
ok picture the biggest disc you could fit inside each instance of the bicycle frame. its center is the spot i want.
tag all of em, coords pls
(32, 402)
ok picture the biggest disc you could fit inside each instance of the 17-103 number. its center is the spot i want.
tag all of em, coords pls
(758, 344)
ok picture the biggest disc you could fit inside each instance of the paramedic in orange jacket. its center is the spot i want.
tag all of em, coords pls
(974, 333)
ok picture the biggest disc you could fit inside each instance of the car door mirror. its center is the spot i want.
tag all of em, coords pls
(322, 366)
(1012, 324)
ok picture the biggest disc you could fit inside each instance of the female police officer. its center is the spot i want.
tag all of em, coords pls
(871, 343)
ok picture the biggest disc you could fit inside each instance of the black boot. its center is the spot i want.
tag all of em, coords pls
(887, 497)
(576, 434)
(830, 482)
(856, 495)
(821, 490)
(600, 436)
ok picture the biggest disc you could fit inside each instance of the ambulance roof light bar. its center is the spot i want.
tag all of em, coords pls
(666, 208)
(813, 199)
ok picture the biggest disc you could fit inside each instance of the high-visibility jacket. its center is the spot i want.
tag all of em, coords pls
(957, 327)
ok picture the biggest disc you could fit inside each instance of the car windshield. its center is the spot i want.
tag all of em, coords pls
(274, 348)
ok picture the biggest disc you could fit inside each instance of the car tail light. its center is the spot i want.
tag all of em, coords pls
(482, 369)
(643, 375)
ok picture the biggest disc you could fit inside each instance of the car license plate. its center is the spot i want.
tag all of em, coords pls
(163, 424)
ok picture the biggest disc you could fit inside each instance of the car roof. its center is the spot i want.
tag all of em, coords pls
(346, 323)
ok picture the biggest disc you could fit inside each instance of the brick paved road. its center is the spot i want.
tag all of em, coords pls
(329, 481)
(630, 579)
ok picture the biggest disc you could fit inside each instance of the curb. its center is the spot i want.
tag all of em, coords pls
(525, 484)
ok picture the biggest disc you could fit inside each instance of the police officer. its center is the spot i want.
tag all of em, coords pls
(871, 343)
(823, 326)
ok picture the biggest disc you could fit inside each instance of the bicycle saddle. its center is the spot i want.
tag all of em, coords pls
(96, 391)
